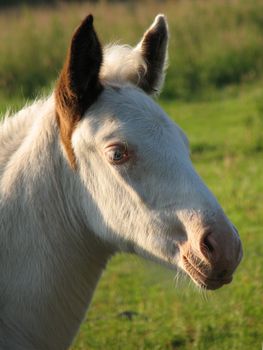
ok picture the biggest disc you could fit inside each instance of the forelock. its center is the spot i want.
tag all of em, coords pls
(122, 64)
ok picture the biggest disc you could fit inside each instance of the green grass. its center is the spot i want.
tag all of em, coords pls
(216, 64)
(214, 44)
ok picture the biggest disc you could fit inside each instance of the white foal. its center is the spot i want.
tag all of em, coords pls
(96, 169)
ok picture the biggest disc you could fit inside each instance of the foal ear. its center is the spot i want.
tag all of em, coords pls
(78, 85)
(154, 51)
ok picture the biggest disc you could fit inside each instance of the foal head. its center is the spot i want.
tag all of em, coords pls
(140, 192)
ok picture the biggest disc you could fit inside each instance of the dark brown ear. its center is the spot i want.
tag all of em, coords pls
(78, 85)
(153, 48)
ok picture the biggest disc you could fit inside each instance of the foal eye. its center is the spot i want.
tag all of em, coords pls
(117, 154)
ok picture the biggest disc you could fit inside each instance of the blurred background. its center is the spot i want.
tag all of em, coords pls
(214, 91)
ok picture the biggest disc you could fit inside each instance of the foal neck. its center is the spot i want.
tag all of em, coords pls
(50, 262)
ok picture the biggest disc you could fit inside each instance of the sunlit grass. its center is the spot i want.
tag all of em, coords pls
(214, 44)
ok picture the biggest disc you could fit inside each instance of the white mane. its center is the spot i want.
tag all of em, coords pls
(15, 128)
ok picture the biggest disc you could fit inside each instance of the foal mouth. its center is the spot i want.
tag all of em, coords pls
(201, 276)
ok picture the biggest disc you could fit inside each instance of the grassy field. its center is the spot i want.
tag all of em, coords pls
(214, 91)
(213, 44)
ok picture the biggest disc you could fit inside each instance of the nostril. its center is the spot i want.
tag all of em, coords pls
(208, 246)
(207, 243)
